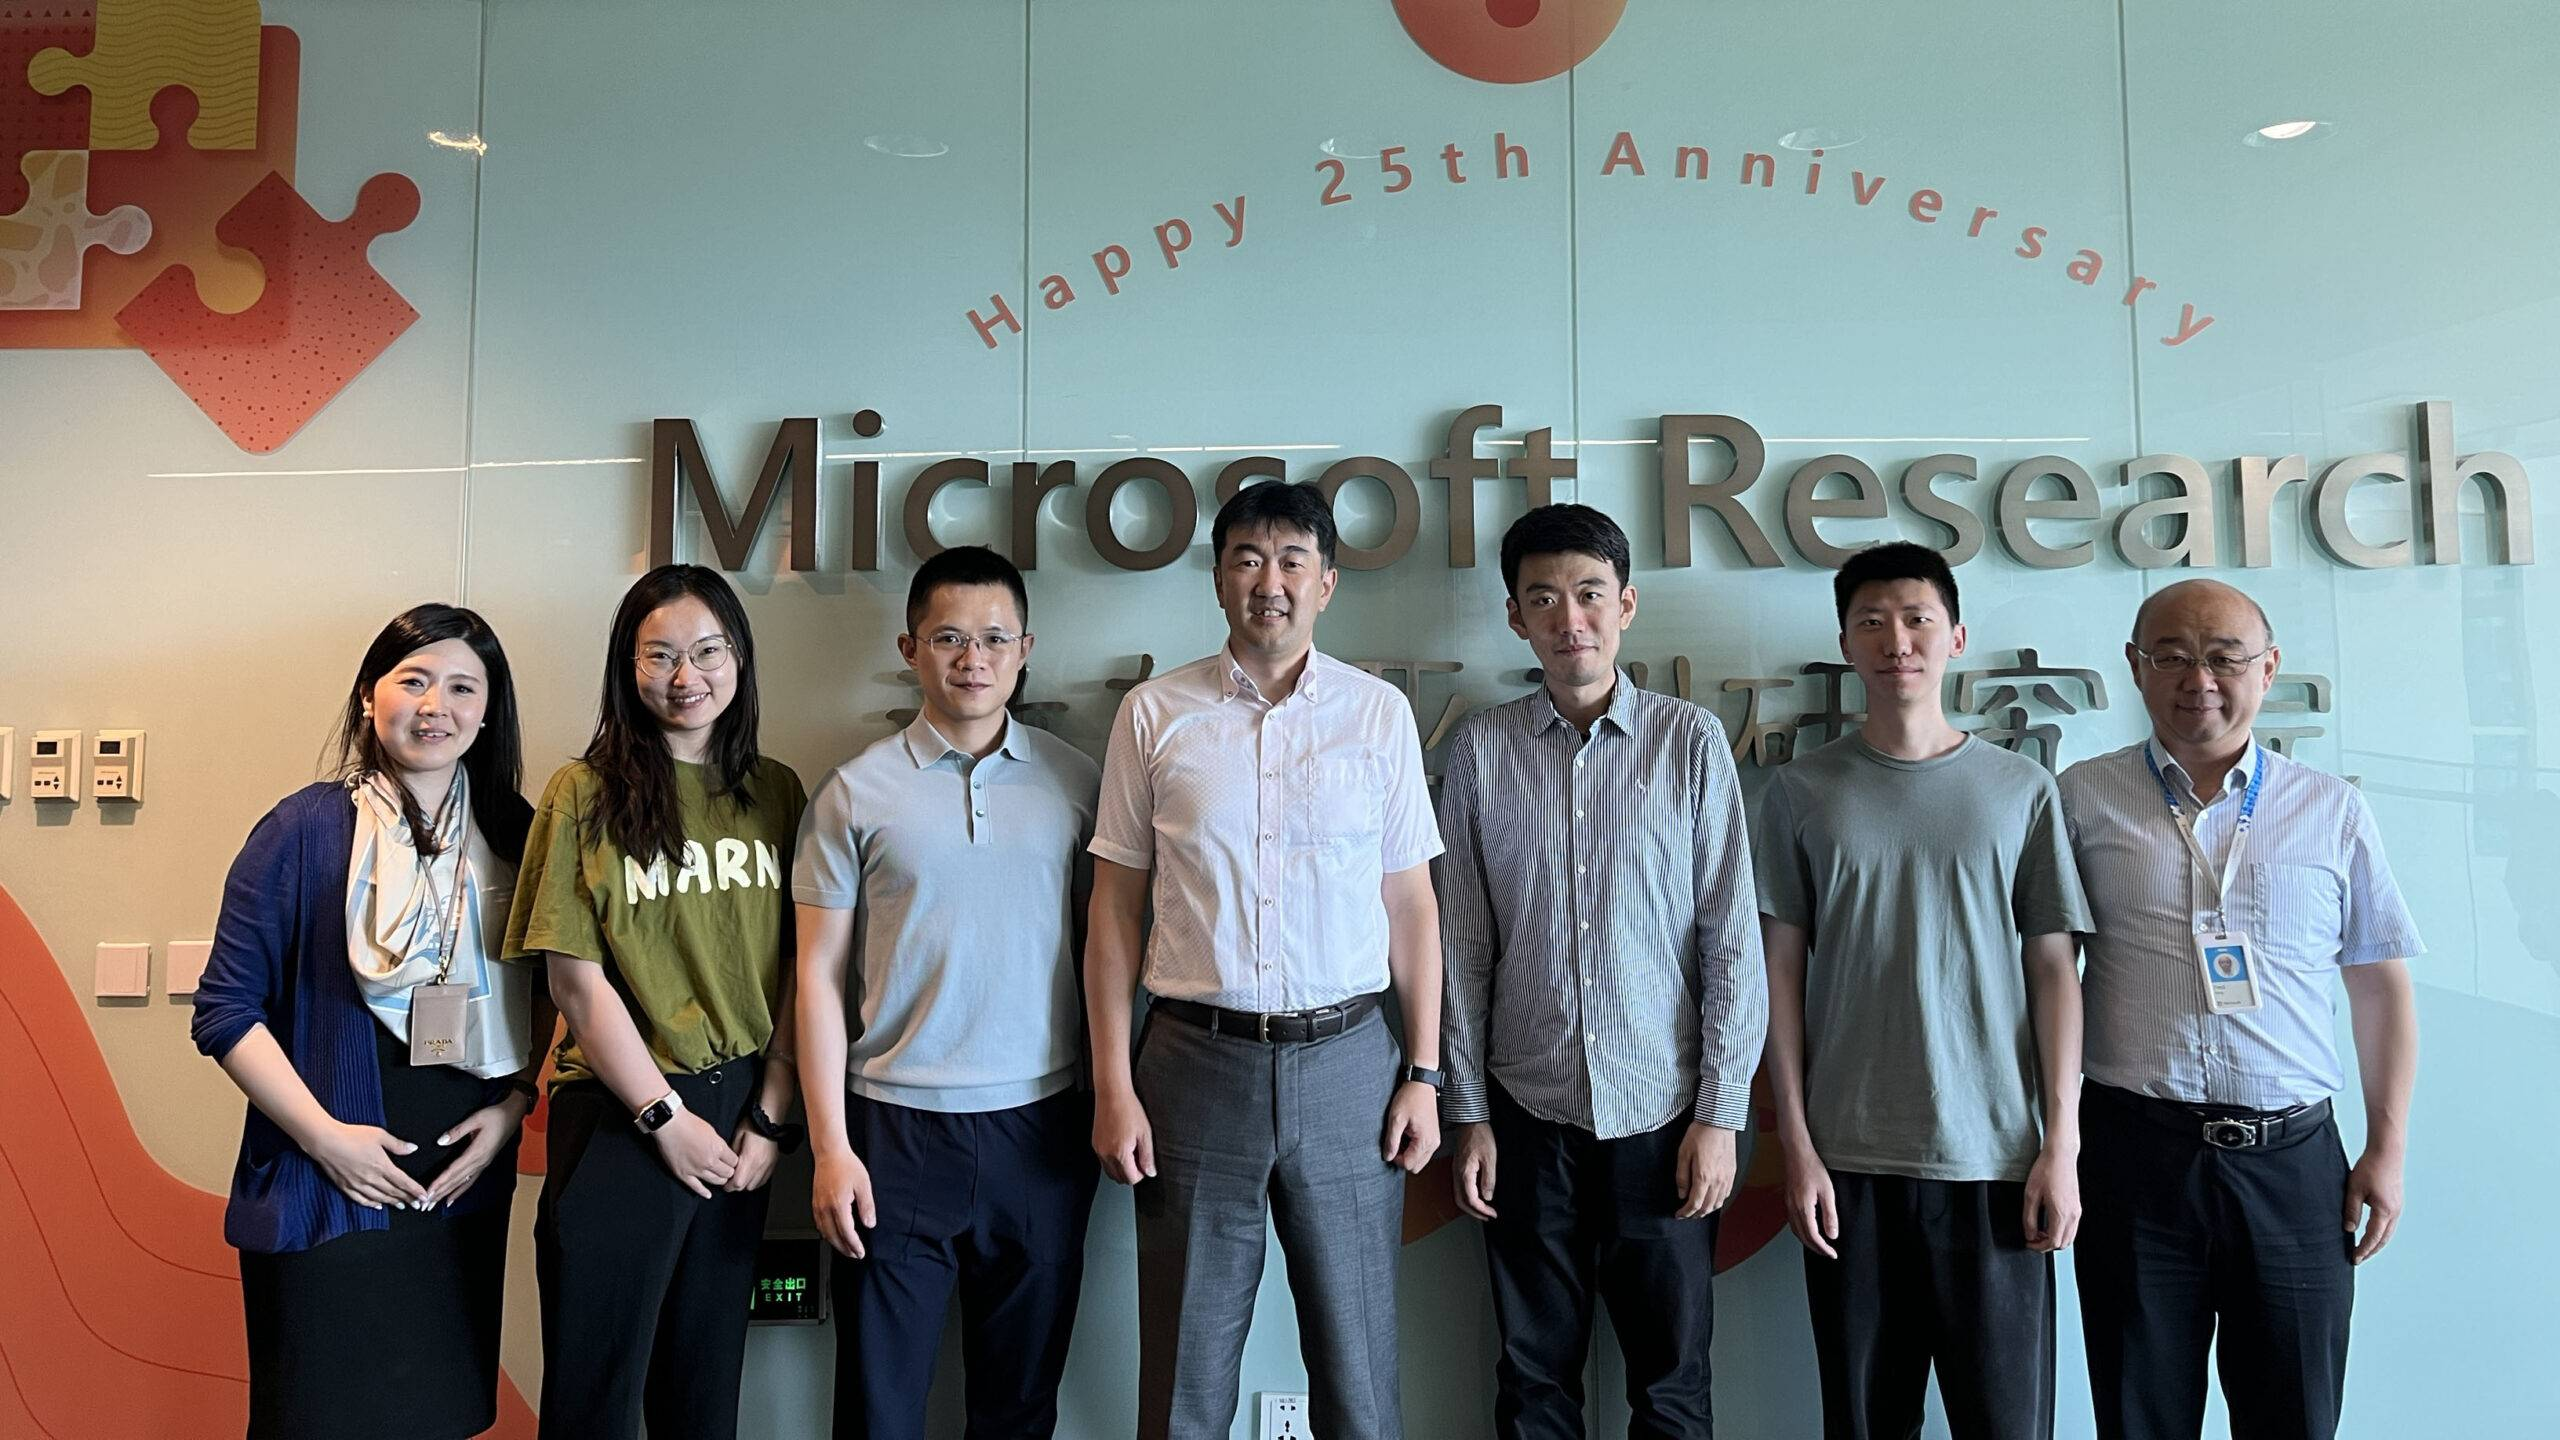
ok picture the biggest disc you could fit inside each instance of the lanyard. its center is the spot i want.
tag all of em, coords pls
(2187, 832)
(449, 941)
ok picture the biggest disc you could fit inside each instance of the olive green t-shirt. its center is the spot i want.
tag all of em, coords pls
(695, 943)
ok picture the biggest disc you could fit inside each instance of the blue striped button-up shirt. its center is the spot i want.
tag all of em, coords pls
(1596, 917)
(2313, 893)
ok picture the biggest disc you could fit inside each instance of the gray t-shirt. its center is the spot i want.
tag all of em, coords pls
(1916, 880)
(967, 877)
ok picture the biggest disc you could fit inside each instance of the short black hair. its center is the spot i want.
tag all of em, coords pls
(1280, 503)
(965, 565)
(1562, 530)
(1897, 560)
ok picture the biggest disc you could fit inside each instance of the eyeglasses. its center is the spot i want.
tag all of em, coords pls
(660, 661)
(2224, 667)
(996, 643)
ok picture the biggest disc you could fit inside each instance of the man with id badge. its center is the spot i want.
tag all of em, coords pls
(2229, 883)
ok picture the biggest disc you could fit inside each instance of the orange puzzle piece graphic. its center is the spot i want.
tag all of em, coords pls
(186, 192)
(324, 316)
(30, 120)
(144, 46)
(42, 246)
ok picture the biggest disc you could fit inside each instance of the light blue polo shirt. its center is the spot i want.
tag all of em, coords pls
(966, 876)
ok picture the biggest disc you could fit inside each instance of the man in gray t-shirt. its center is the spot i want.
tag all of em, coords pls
(1918, 902)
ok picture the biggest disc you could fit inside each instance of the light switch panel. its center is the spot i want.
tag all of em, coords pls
(123, 971)
(186, 965)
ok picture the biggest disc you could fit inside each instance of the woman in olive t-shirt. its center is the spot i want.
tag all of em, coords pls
(654, 888)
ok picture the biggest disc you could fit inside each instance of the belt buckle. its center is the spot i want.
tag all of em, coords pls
(2228, 1134)
(1262, 1027)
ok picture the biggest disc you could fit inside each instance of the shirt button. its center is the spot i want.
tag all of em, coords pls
(1582, 925)
(1577, 869)
(1577, 814)
(1586, 982)
(1269, 835)
(1577, 762)
(1266, 902)
(1270, 774)
(980, 812)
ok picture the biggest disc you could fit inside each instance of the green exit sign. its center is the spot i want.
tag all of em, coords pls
(791, 1281)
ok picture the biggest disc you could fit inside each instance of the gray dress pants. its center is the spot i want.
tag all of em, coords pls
(1244, 1129)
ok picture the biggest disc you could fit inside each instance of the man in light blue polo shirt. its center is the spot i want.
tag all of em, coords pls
(2234, 891)
(940, 877)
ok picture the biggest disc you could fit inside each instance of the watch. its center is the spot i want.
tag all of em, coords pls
(653, 1117)
(1432, 1078)
(786, 1136)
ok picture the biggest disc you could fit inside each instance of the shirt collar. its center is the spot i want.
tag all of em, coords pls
(2232, 784)
(1236, 681)
(926, 745)
(1621, 713)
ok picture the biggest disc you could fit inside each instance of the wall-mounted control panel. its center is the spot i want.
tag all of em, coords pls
(115, 765)
(53, 767)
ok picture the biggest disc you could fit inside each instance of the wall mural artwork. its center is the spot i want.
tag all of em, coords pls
(120, 1318)
(147, 202)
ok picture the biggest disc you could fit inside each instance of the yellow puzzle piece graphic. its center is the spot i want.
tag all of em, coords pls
(146, 46)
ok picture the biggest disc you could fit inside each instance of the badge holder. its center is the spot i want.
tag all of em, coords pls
(440, 1010)
(2229, 970)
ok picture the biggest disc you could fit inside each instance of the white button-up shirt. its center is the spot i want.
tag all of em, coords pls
(2313, 892)
(1269, 828)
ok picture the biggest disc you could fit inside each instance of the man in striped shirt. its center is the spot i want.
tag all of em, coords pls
(1605, 1000)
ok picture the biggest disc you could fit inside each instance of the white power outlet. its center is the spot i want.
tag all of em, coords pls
(1284, 1416)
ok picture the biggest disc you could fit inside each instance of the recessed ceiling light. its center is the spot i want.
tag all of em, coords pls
(2283, 130)
(1819, 137)
(911, 147)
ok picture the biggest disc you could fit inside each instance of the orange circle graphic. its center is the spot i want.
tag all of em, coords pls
(1509, 42)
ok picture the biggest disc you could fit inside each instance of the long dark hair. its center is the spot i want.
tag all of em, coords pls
(637, 804)
(495, 761)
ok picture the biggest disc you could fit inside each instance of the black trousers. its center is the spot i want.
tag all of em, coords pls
(645, 1285)
(2186, 1248)
(992, 1205)
(1932, 1273)
(1579, 1218)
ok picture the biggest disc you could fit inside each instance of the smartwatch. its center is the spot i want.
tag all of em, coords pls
(1432, 1078)
(653, 1117)
(786, 1136)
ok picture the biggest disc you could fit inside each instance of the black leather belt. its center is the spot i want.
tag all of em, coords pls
(2224, 1127)
(1276, 1027)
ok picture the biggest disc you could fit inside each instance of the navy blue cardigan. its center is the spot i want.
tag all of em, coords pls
(280, 960)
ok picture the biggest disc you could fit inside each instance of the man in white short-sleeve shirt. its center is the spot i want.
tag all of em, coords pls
(1270, 802)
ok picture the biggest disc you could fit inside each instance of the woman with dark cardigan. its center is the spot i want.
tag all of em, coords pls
(387, 1062)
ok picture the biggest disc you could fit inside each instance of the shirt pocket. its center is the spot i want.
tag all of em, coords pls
(1338, 800)
(2300, 911)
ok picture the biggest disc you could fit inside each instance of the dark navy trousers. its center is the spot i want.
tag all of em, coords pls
(990, 1207)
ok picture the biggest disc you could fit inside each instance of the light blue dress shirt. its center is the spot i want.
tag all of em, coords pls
(2313, 893)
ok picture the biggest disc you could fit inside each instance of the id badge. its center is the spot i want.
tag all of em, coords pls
(2230, 971)
(437, 1032)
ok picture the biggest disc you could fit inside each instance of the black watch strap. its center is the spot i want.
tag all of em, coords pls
(1432, 1078)
(789, 1137)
